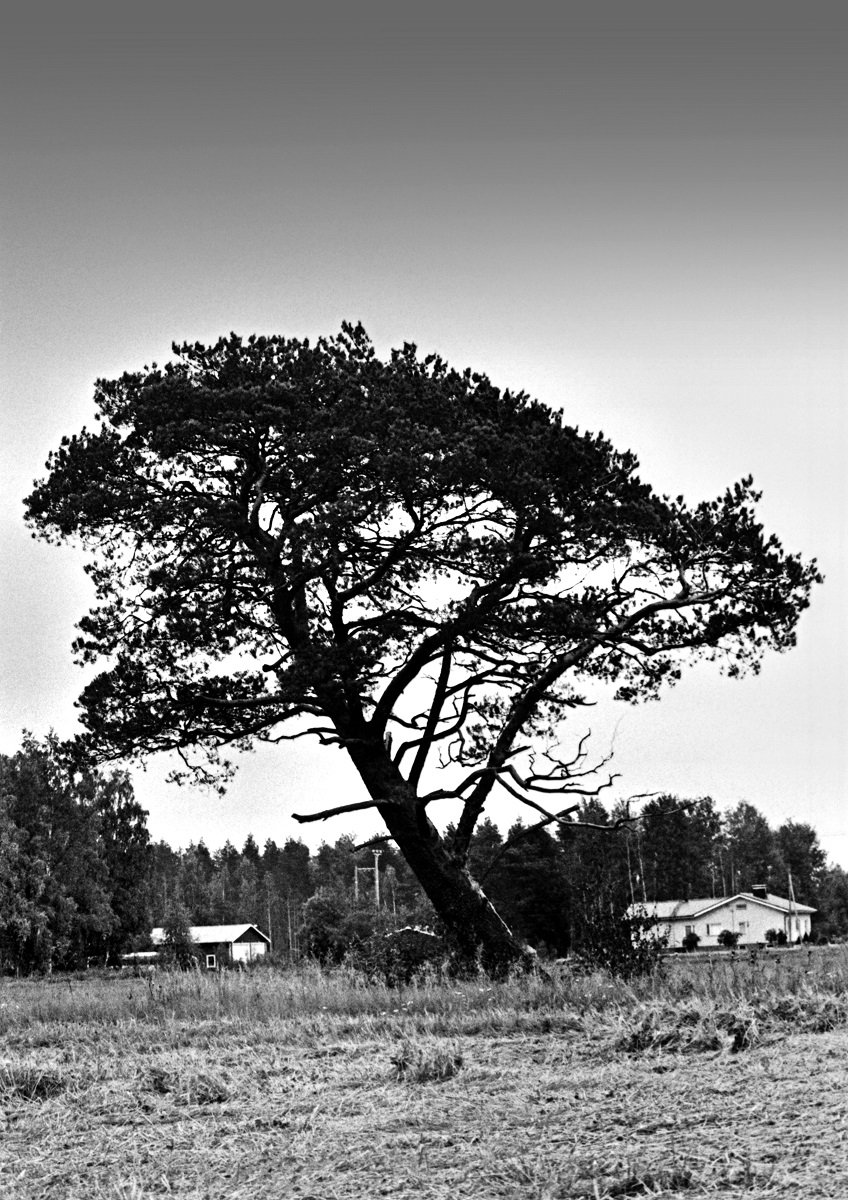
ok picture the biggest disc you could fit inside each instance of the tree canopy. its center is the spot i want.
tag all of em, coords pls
(73, 861)
(292, 539)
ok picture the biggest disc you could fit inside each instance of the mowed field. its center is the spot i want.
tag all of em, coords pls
(724, 1078)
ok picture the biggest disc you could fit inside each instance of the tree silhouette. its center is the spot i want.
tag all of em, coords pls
(399, 559)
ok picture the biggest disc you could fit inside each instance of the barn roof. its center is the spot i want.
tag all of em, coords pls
(208, 934)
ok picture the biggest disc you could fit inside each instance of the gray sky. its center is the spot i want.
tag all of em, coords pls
(633, 211)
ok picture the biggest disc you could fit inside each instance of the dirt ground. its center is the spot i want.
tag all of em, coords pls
(197, 1114)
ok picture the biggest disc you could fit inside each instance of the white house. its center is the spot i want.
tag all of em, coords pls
(223, 945)
(750, 914)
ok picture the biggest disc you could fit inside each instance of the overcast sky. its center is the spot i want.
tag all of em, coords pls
(634, 211)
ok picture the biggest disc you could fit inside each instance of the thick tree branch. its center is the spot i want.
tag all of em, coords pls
(432, 719)
(326, 813)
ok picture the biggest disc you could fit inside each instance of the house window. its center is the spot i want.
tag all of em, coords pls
(741, 926)
(211, 962)
(688, 928)
(741, 906)
(714, 930)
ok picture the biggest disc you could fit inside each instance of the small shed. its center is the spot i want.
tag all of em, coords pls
(223, 945)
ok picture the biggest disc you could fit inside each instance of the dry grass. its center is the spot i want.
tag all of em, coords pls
(29, 1083)
(690, 1085)
(418, 1062)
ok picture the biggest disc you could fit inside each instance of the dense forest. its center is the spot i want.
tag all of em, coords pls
(81, 881)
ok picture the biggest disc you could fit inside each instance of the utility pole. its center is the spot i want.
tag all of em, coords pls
(641, 865)
(377, 854)
(390, 880)
(376, 870)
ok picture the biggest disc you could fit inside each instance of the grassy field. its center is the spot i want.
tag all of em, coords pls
(723, 1077)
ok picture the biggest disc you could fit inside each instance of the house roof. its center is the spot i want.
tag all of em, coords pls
(679, 910)
(208, 934)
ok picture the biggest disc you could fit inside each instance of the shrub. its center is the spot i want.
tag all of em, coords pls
(331, 928)
(399, 956)
(626, 946)
(178, 949)
(729, 938)
(691, 941)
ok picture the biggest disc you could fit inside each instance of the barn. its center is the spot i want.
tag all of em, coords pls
(223, 945)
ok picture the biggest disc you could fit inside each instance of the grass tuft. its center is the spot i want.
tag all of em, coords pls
(649, 1183)
(30, 1083)
(426, 1062)
(188, 1086)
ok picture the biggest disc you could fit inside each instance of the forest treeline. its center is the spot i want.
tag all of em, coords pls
(82, 882)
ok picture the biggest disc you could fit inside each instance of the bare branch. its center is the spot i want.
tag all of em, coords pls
(459, 718)
(326, 736)
(566, 791)
(326, 813)
(372, 843)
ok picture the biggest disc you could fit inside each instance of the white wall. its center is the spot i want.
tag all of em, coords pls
(247, 951)
(750, 919)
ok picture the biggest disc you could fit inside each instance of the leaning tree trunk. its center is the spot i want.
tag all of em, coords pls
(475, 931)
